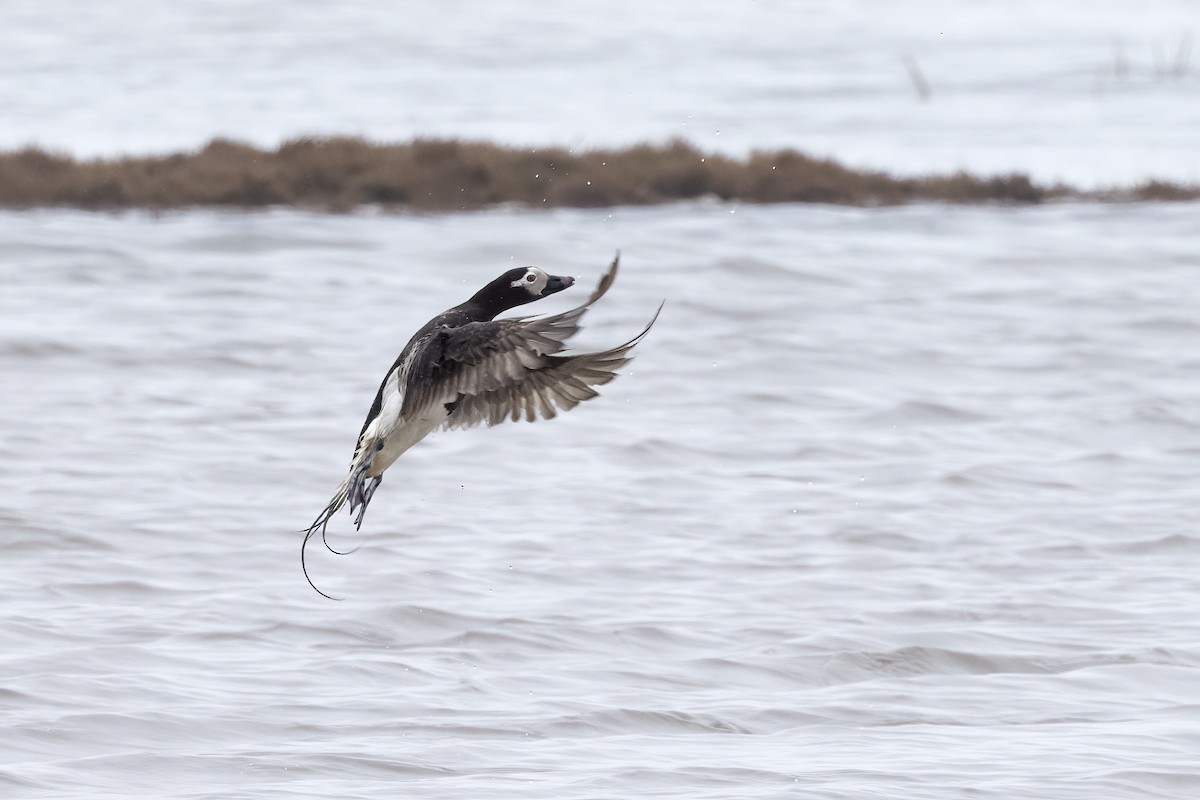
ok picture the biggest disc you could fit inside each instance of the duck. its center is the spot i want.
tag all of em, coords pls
(466, 368)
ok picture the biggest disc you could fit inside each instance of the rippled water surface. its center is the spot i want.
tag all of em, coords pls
(892, 503)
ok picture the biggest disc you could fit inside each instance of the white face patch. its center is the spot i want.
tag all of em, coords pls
(534, 281)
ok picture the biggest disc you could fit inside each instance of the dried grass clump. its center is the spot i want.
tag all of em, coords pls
(342, 173)
(1163, 191)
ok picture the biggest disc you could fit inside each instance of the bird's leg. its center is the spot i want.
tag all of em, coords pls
(356, 488)
(368, 491)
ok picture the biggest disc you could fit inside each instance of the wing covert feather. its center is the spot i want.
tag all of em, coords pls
(559, 383)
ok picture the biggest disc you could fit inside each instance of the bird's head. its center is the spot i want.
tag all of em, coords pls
(522, 285)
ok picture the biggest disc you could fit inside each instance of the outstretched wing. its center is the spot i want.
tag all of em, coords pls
(507, 369)
(542, 385)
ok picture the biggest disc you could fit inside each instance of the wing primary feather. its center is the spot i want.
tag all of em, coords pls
(520, 387)
(606, 281)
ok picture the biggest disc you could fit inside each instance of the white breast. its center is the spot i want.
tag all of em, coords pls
(403, 437)
(396, 433)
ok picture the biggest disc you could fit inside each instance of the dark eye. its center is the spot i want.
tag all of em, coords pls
(530, 278)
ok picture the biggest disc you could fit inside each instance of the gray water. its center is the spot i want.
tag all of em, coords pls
(892, 503)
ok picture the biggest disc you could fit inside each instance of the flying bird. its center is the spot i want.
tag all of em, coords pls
(464, 367)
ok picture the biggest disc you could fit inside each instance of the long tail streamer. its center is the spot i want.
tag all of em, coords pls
(357, 489)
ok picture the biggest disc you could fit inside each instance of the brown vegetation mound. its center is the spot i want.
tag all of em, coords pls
(445, 174)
